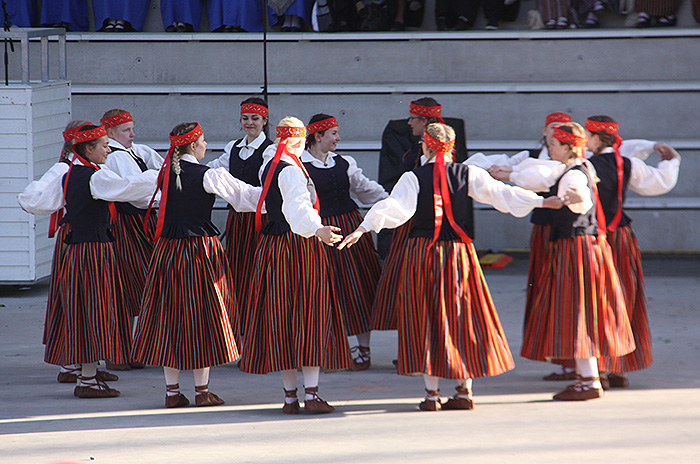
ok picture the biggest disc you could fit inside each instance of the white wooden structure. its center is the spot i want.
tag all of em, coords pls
(33, 113)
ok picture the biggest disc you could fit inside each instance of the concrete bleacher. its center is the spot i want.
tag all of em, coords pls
(501, 83)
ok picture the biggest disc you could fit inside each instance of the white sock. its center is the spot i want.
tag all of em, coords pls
(363, 339)
(172, 376)
(289, 381)
(201, 378)
(310, 374)
(72, 368)
(88, 370)
(588, 368)
(465, 383)
(431, 383)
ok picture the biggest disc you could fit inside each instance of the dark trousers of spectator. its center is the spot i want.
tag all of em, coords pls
(453, 9)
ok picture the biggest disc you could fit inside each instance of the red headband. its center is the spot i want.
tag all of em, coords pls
(427, 111)
(599, 126)
(254, 108)
(116, 120)
(557, 117)
(184, 139)
(440, 147)
(87, 135)
(569, 138)
(69, 134)
(290, 131)
(321, 125)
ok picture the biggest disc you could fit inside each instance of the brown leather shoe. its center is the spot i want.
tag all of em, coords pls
(117, 367)
(70, 377)
(582, 390)
(462, 400)
(96, 388)
(361, 358)
(176, 401)
(618, 380)
(556, 376)
(431, 405)
(206, 398)
(291, 408)
(316, 405)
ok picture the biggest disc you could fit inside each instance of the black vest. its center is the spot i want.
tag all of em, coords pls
(423, 224)
(567, 224)
(276, 223)
(411, 159)
(188, 211)
(88, 218)
(247, 170)
(539, 216)
(606, 169)
(124, 207)
(333, 187)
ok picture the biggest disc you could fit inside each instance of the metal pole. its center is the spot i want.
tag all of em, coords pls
(265, 26)
(6, 27)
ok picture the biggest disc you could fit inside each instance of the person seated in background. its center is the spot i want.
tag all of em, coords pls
(122, 16)
(659, 13)
(181, 15)
(21, 13)
(555, 13)
(292, 15)
(72, 15)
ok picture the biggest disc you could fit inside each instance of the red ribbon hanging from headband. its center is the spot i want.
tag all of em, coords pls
(254, 108)
(427, 111)
(612, 128)
(116, 120)
(163, 182)
(441, 192)
(284, 133)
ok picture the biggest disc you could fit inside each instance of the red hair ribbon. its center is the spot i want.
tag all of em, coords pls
(427, 111)
(562, 118)
(441, 192)
(569, 138)
(117, 120)
(89, 135)
(69, 134)
(163, 182)
(284, 133)
(321, 125)
(254, 108)
(611, 128)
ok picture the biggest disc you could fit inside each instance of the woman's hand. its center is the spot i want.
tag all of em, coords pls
(501, 173)
(552, 202)
(328, 236)
(666, 152)
(352, 238)
(574, 194)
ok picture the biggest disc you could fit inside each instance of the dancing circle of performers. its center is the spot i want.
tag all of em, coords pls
(139, 276)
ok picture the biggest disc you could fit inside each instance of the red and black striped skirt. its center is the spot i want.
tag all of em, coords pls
(384, 307)
(355, 272)
(134, 249)
(581, 311)
(54, 310)
(241, 243)
(292, 319)
(185, 322)
(448, 325)
(93, 325)
(628, 261)
(540, 254)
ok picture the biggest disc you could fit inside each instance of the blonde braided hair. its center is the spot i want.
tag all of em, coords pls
(180, 129)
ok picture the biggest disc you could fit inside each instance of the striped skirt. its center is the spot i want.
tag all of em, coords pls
(292, 319)
(581, 311)
(241, 243)
(657, 7)
(448, 326)
(628, 261)
(54, 311)
(540, 254)
(184, 322)
(94, 325)
(384, 307)
(133, 248)
(355, 272)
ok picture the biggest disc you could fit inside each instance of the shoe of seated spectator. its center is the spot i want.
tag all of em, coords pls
(491, 27)
(108, 26)
(397, 26)
(171, 28)
(441, 23)
(376, 19)
(666, 21)
(550, 24)
(598, 7)
(643, 20)
(562, 22)
(463, 23)
(591, 21)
